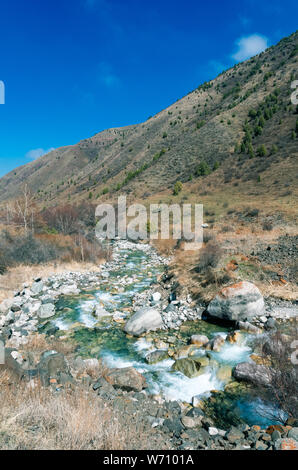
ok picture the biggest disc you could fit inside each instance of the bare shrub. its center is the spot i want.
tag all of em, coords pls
(227, 228)
(210, 256)
(34, 249)
(252, 212)
(81, 249)
(207, 236)
(64, 219)
(277, 352)
(25, 249)
(268, 226)
(214, 277)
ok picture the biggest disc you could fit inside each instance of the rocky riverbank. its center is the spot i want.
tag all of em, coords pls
(154, 345)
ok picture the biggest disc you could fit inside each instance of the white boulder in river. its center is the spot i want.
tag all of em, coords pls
(145, 319)
(240, 301)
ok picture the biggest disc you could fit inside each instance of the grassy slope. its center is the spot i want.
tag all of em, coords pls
(106, 159)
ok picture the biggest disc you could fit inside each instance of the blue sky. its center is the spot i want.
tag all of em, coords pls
(72, 68)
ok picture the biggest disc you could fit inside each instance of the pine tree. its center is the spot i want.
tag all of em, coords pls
(262, 151)
(177, 188)
(203, 169)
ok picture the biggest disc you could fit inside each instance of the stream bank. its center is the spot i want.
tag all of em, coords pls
(90, 312)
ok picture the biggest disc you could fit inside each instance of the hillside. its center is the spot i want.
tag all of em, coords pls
(242, 124)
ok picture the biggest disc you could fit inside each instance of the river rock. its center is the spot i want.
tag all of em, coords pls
(273, 347)
(5, 305)
(190, 422)
(37, 287)
(293, 433)
(270, 324)
(100, 312)
(257, 374)
(31, 307)
(199, 340)
(215, 344)
(224, 374)
(156, 296)
(46, 311)
(233, 337)
(71, 289)
(187, 366)
(126, 378)
(240, 302)
(184, 351)
(156, 356)
(234, 435)
(286, 444)
(249, 328)
(145, 319)
(15, 308)
(203, 360)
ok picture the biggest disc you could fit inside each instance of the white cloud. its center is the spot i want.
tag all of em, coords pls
(36, 153)
(249, 46)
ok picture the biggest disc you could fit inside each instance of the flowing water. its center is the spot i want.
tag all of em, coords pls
(104, 338)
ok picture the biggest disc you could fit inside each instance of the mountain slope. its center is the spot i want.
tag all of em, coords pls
(223, 123)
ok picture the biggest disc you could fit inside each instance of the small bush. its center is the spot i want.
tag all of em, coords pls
(207, 236)
(262, 151)
(203, 169)
(227, 228)
(267, 226)
(252, 213)
(277, 350)
(210, 256)
(26, 249)
(177, 188)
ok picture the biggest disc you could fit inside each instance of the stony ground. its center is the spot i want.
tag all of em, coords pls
(178, 425)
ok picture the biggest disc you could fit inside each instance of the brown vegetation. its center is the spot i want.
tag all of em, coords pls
(39, 418)
(279, 351)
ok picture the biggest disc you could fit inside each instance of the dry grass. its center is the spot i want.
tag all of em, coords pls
(38, 418)
(39, 343)
(238, 244)
(165, 247)
(15, 277)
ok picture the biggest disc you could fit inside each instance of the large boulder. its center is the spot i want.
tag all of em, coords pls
(187, 366)
(255, 374)
(126, 378)
(238, 302)
(145, 319)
